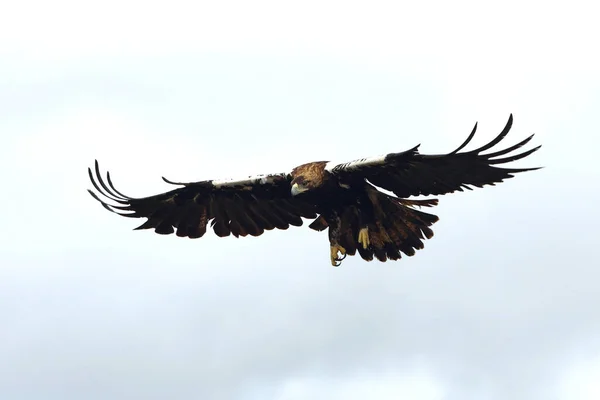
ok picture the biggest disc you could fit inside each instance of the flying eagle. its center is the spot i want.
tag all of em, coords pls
(342, 197)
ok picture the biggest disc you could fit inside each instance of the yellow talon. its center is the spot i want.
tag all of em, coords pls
(335, 260)
(363, 237)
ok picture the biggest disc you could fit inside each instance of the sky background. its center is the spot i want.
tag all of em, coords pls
(502, 303)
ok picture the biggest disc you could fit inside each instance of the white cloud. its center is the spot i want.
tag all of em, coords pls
(514, 35)
(418, 384)
(581, 380)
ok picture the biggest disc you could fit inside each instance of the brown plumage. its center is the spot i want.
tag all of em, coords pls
(341, 198)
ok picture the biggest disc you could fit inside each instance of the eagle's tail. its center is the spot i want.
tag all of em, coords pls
(398, 227)
(394, 228)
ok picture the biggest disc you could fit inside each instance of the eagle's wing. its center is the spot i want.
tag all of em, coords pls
(411, 173)
(243, 207)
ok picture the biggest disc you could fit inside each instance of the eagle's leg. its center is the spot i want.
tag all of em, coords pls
(334, 249)
(366, 218)
(334, 222)
(363, 237)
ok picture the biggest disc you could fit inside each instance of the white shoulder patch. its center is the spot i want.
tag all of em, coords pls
(331, 165)
(249, 181)
(356, 164)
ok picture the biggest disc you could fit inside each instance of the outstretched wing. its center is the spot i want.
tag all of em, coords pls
(410, 173)
(243, 207)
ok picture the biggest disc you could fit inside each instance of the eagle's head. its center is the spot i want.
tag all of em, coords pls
(307, 177)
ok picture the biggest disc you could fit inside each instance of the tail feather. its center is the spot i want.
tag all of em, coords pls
(400, 228)
(389, 238)
(349, 226)
(395, 229)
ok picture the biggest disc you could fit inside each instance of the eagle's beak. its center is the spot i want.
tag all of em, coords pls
(297, 189)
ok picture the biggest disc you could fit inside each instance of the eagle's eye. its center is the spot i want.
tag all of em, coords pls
(300, 180)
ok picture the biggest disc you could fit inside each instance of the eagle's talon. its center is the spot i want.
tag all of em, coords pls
(336, 261)
(363, 237)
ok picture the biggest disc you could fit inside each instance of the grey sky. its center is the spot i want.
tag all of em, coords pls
(501, 303)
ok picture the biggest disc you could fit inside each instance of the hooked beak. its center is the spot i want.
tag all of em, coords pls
(297, 189)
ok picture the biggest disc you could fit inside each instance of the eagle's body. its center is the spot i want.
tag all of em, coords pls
(342, 198)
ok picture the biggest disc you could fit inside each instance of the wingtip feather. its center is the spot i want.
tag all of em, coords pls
(467, 141)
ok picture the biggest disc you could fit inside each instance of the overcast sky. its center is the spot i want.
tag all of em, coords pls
(502, 303)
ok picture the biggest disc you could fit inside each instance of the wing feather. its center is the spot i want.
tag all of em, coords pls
(239, 207)
(411, 173)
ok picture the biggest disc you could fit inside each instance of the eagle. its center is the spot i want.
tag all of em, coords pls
(366, 205)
